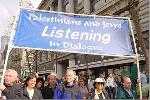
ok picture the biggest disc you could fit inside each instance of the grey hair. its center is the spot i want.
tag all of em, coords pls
(69, 70)
(13, 71)
(125, 78)
(52, 74)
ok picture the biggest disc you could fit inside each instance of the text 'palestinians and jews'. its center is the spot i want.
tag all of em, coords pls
(70, 33)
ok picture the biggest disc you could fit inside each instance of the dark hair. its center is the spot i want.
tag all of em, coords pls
(40, 79)
(98, 83)
(31, 76)
(83, 79)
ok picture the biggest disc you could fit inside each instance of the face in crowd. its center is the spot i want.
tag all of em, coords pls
(70, 76)
(39, 84)
(110, 75)
(99, 86)
(10, 77)
(32, 82)
(127, 83)
(81, 82)
(52, 80)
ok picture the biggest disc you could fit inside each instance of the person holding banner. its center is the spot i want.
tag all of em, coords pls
(129, 88)
(10, 89)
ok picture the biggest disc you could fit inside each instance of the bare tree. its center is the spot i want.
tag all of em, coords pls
(134, 12)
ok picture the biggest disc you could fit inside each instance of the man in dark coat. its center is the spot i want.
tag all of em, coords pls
(129, 90)
(126, 92)
(48, 91)
(10, 89)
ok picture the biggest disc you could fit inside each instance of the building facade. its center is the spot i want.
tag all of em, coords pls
(96, 64)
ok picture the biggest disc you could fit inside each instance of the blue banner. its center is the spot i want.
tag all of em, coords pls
(73, 33)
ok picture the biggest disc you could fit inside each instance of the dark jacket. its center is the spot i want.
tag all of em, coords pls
(37, 94)
(63, 91)
(13, 92)
(48, 92)
(92, 94)
(123, 94)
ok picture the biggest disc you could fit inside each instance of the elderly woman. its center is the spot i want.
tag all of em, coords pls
(30, 91)
(98, 92)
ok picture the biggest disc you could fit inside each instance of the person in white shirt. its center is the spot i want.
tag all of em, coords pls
(30, 91)
(143, 78)
(110, 86)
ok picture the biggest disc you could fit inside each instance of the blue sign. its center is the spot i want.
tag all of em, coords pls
(72, 33)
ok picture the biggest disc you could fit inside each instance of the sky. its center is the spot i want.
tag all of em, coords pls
(8, 9)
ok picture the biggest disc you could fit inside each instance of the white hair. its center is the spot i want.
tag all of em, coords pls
(69, 70)
(11, 71)
(52, 74)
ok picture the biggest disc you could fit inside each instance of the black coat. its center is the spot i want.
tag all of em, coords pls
(13, 92)
(37, 94)
(48, 92)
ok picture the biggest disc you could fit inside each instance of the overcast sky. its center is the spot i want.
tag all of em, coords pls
(8, 9)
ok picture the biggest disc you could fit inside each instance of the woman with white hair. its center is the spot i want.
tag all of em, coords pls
(99, 90)
(10, 89)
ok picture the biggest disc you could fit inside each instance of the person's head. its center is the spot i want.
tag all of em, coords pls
(99, 83)
(10, 77)
(52, 79)
(31, 81)
(110, 75)
(70, 76)
(81, 81)
(63, 79)
(39, 82)
(101, 75)
(127, 83)
(144, 72)
(46, 83)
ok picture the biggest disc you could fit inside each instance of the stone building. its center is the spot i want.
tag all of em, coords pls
(95, 7)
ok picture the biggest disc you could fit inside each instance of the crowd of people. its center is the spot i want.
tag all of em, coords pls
(69, 87)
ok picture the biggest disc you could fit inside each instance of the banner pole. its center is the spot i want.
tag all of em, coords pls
(137, 59)
(5, 65)
(10, 46)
